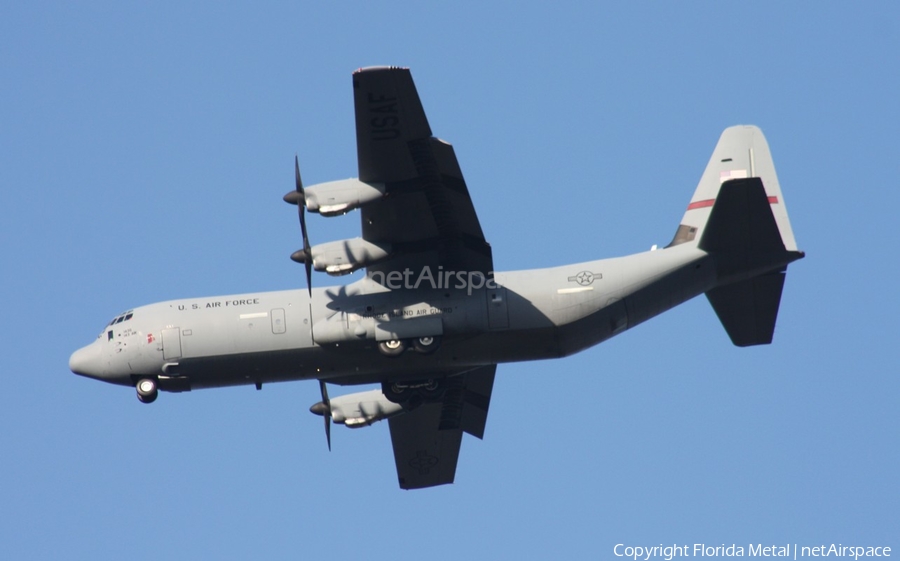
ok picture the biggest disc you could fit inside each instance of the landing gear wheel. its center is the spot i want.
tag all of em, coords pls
(147, 390)
(395, 393)
(394, 347)
(427, 345)
(434, 390)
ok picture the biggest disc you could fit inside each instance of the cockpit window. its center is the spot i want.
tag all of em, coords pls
(122, 317)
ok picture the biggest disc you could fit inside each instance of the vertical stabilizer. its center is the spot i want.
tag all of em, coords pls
(742, 152)
(738, 216)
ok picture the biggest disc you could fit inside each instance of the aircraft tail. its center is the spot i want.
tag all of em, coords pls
(738, 216)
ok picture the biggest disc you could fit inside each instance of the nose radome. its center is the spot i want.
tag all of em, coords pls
(86, 361)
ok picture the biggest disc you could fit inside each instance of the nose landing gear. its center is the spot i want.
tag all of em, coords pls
(147, 390)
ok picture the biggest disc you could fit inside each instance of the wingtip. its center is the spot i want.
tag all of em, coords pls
(378, 69)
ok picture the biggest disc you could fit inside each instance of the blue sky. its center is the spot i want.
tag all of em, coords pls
(144, 150)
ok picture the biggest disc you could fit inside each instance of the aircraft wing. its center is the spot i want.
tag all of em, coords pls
(426, 440)
(426, 215)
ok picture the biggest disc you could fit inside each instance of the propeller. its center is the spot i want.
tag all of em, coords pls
(298, 197)
(323, 408)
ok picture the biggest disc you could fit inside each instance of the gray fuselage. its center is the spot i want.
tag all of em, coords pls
(289, 335)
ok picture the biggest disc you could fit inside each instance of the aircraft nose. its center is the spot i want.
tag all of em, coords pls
(87, 361)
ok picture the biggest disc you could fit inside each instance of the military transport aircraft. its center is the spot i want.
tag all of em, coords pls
(430, 320)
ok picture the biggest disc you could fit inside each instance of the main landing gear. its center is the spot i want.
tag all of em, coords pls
(396, 347)
(147, 390)
(412, 393)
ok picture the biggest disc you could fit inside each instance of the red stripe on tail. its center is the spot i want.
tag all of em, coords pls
(709, 202)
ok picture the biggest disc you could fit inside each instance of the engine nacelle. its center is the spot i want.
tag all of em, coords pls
(357, 410)
(340, 197)
(345, 256)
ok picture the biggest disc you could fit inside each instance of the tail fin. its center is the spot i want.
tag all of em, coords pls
(738, 216)
(742, 152)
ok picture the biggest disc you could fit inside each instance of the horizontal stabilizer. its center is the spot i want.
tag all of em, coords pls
(742, 232)
(743, 237)
(748, 309)
(741, 224)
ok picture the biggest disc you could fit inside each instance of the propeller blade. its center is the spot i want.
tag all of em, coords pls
(308, 266)
(301, 209)
(297, 176)
(327, 402)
